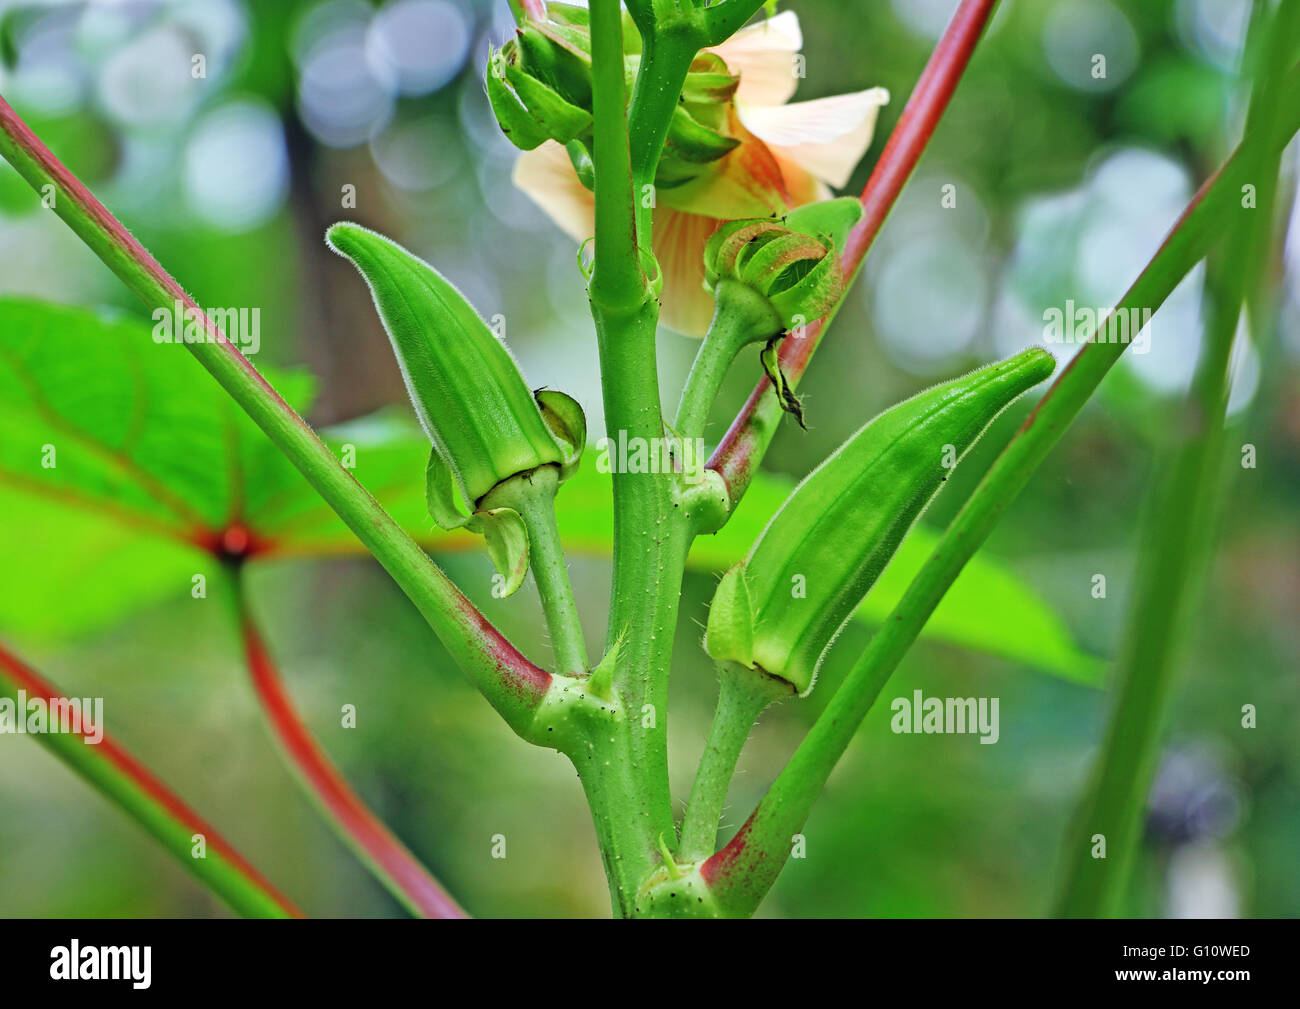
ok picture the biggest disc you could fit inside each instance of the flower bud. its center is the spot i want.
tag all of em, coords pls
(794, 264)
(539, 85)
(700, 130)
(780, 608)
(527, 99)
(539, 82)
(770, 276)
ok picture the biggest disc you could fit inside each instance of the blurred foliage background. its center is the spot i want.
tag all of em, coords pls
(1065, 185)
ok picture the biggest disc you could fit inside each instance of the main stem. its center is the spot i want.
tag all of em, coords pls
(627, 778)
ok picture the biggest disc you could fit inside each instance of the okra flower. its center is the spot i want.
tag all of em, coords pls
(783, 155)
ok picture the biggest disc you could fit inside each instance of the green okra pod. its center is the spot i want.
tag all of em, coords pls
(775, 614)
(779, 610)
(486, 426)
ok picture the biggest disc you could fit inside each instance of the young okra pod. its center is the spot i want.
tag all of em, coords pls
(775, 614)
(490, 433)
(779, 610)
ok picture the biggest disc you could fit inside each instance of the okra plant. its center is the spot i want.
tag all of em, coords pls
(637, 135)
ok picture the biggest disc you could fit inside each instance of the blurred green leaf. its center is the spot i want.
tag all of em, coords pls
(119, 458)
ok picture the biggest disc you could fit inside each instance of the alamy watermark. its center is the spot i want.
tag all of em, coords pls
(946, 716)
(75, 962)
(39, 715)
(686, 456)
(182, 323)
(1080, 324)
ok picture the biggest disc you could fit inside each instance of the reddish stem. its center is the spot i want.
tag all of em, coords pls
(29, 680)
(738, 455)
(384, 851)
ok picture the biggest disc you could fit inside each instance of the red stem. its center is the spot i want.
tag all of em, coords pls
(29, 680)
(738, 455)
(389, 856)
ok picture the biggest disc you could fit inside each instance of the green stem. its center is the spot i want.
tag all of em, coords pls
(532, 495)
(742, 873)
(632, 809)
(743, 694)
(649, 558)
(1179, 528)
(512, 684)
(723, 20)
(122, 779)
(613, 782)
(666, 58)
(617, 280)
(741, 317)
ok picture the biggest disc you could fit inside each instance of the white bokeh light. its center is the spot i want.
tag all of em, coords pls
(1089, 244)
(147, 82)
(928, 299)
(1215, 29)
(420, 45)
(236, 167)
(48, 76)
(418, 154)
(1078, 31)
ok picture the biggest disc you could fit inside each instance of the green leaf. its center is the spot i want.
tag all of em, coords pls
(121, 463)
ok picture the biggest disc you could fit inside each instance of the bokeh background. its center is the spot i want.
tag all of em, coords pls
(1065, 184)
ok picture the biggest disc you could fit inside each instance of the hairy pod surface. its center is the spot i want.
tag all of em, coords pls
(780, 609)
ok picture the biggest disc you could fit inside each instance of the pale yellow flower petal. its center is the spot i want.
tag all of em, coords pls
(679, 247)
(826, 136)
(746, 182)
(546, 175)
(764, 57)
(802, 185)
